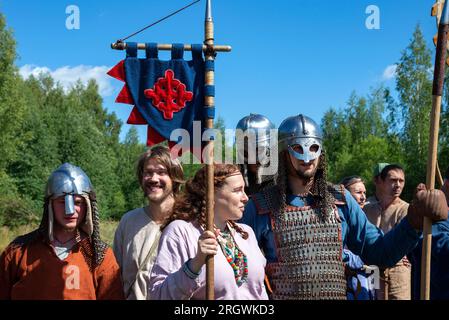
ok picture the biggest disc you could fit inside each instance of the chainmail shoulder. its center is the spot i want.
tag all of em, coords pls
(338, 193)
(267, 200)
(93, 258)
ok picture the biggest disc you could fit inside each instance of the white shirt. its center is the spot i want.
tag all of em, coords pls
(133, 240)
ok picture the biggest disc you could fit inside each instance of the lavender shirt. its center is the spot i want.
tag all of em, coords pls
(179, 243)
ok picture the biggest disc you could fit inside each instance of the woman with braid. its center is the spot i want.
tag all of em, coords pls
(179, 271)
(65, 258)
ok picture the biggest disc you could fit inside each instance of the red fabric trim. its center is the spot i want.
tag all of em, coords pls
(125, 96)
(118, 71)
(136, 117)
(153, 137)
(171, 144)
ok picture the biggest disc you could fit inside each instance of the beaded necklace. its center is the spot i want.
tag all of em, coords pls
(235, 257)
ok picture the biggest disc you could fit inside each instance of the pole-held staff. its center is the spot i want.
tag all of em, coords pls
(437, 92)
(209, 124)
(209, 49)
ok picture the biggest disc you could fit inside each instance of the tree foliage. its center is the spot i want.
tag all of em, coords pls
(43, 125)
(379, 128)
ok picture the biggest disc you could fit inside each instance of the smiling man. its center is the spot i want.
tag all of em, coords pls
(303, 223)
(385, 212)
(65, 258)
(137, 236)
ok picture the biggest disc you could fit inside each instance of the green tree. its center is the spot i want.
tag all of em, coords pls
(443, 146)
(12, 105)
(130, 150)
(11, 101)
(356, 137)
(414, 87)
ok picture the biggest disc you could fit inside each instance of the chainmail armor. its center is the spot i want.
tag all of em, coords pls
(308, 246)
(99, 246)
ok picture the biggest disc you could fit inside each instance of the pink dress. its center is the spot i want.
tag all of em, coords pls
(179, 243)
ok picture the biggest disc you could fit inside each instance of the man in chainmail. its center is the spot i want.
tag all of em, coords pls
(253, 140)
(65, 257)
(303, 222)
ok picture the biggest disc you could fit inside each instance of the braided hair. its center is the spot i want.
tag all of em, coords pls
(191, 204)
(282, 181)
(320, 189)
(99, 246)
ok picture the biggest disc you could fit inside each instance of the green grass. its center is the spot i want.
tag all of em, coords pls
(107, 230)
(7, 235)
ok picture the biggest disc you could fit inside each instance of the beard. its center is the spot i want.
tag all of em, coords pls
(306, 175)
(159, 196)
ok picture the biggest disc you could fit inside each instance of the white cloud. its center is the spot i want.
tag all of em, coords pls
(67, 76)
(390, 72)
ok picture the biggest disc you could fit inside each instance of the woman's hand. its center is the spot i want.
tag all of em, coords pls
(207, 245)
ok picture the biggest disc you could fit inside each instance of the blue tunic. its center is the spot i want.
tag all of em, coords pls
(358, 234)
(367, 290)
(439, 268)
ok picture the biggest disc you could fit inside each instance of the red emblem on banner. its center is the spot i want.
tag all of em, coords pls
(169, 95)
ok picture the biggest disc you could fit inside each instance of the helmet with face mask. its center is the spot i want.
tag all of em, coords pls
(256, 128)
(69, 181)
(301, 137)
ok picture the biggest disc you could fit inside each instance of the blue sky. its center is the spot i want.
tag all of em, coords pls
(288, 57)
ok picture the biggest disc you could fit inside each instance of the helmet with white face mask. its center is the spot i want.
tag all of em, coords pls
(301, 136)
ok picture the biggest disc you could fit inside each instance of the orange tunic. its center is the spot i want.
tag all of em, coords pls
(33, 271)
